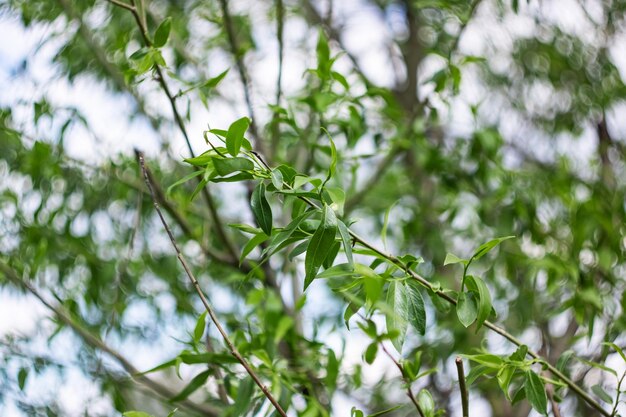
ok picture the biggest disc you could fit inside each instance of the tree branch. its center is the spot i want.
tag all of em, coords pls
(231, 347)
(98, 344)
(462, 386)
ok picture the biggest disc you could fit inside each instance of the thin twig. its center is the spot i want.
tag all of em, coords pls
(95, 342)
(409, 390)
(619, 391)
(462, 386)
(230, 247)
(231, 347)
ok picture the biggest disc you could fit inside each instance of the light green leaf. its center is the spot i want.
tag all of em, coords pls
(277, 179)
(255, 241)
(486, 247)
(453, 259)
(183, 180)
(602, 394)
(466, 309)
(536, 392)
(162, 33)
(198, 331)
(617, 349)
(261, 209)
(320, 244)
(234, 136)
(136, 414)
(244, 397)
(426, 402)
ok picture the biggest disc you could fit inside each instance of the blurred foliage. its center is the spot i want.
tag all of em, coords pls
(386, 159)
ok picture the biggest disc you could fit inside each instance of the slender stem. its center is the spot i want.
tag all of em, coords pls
(231, 347)
(409, 390)
(230, 247)
(96, 343)
(619, 388)
(462, 386)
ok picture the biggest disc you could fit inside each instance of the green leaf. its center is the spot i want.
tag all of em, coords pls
(261, 209)
(383, 231)
(602, 394)
(370, 352)
(616, 348)
(486, 359)
(136, 414)
(277, 179)
(466, 308)
(333, 159)
(193, 386)
(162, 33)
(213, 82)
(281, 238)
(21, 378)
(486, 247)
(183, 180)
(234, 136)
(226, 166)
(415, 307)
(323, 52)
(536, 392)
(397, 317)
(255, 241)
(347, 241)
(426, 402)
(198, 331)
(320, 244)
(484, 300)
(453, 259)
(504, 376)
(563, 359)
(244, 397)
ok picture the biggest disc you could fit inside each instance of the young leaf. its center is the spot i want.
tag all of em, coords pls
(415, 308)
(484, 300)
(320, 244)
(333, 159)
(244, 397)
(162, 33)
(536, 392)
(199, 329)
(426, 402)
(466, 308)
(261, 209)
(234, 136)
(183, 180)
(277, 179)
(617, 349)
(486, 247)
(453, 259)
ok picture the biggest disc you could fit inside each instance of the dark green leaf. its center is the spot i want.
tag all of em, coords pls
(320, 244)
(21, 378)
(226, 166)
(252, 243)
(536, 392)
(415, 307)
(244, 397)
(370, 352)
(261, 209)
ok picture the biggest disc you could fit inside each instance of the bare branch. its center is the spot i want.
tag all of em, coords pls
(462, 386)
